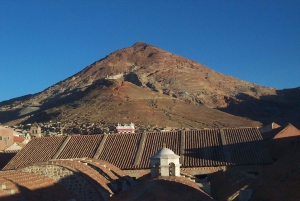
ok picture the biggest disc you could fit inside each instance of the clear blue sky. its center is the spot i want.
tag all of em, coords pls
(43, 42)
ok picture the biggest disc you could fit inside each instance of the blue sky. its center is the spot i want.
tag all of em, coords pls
(44, 42)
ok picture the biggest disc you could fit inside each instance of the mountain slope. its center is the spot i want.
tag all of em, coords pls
(155, 80)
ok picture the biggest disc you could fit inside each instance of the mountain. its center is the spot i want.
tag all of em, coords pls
(147, 85)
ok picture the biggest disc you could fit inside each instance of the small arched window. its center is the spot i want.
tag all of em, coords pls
(172, 169)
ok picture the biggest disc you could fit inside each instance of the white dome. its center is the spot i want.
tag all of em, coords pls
(165, 153)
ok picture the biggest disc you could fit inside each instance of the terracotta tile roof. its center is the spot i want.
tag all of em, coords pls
(270, 134)
(17, 185)
(106, 178)
(200, 148)
(225, 185)
(10, 151)
(120, 149)
(86, 171)
(37, 150)
(246, 146)
(281, 140)
(81, 146)
(163, 188)
(278, 131)
(103, 168)
(21, 144)
(154, 142)
(110, 170)
(18, 139)
(280, 181)
(203, 148)
(117, 171)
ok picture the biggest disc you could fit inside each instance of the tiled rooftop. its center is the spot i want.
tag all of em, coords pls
(198, 148)
(163, 188)
(203, 148)
(272, 133)
(280, 181)
(246, 146)
(17, 185)
(225, 185)
(280, 141)
(114, 172)
(37, 150)
(81, 146)
(18, 139)
(85, 170)
(100, 174)
(154, 142)
(120, 149)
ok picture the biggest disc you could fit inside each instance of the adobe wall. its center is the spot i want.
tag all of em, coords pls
(6, 138)
(74, 182)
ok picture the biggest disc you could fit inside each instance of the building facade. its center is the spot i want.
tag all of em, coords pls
(6, 138)
(35, 130)
(125, 128)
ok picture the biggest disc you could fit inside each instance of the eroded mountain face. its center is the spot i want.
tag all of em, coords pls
(149, 73)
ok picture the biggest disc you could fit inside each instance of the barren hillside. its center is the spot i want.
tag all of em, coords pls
(145, 84)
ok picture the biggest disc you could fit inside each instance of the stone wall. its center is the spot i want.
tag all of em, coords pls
(74, 182)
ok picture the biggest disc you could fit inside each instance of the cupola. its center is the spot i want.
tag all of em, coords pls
(166, 161)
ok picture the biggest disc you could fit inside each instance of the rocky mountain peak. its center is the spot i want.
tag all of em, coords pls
(141, 73)
(140, 44)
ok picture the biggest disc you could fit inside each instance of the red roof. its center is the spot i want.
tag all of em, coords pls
(280, 181)
(200, 148)
(281, 140)
(18, 139)
(17, 185)
(164, 188)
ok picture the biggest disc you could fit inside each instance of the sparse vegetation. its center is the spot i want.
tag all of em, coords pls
(148, 86)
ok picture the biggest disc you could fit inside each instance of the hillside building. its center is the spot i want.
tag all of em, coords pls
(269, 127)
(281, 139)
(125, 128)
(35, 130)
(6, 138)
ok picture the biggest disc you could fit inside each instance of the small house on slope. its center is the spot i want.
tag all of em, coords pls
(125, 128)
(6, 138)
(35, 130)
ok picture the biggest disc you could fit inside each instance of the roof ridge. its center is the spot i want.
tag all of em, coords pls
(101, 146)
(225, 147)
(61, 148)
(140, 149)
(182, 146)
(284, 129)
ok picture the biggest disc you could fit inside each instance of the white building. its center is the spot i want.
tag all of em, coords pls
(126, 128)
(165, 160)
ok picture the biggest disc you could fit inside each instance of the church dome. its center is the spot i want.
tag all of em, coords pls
(165, 153)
